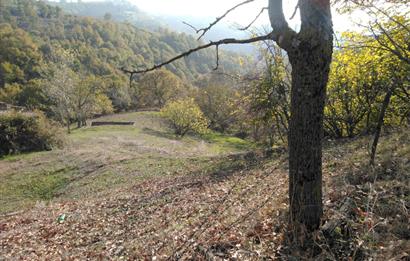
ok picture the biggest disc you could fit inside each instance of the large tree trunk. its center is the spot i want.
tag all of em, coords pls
(309, 79)
(310, 54)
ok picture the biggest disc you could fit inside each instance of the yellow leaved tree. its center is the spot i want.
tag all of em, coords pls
(184, 116)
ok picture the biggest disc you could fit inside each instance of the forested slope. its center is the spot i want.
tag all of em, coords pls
(32, 33)
(125, 11)
(120, 11)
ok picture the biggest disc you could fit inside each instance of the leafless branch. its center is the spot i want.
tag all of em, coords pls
(396, 51)
(391, 18)
(254, 20)
(389, 37)
(281, 31)
(362, 45)
(338, 44)
(193, 27)
(205, 46)
(204, 30)
(238, 78)
(296, 9)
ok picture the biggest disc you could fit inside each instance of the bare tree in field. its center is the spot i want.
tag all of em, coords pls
(73, 96)
(59, 90)
(310, 53)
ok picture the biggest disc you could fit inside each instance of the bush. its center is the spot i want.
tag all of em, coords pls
(219, 103)
(185, 115)
(26, 132)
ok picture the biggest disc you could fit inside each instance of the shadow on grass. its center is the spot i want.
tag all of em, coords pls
(240, 154)
(221, 140)
(229, 166)
(159, 134)
(225, 167)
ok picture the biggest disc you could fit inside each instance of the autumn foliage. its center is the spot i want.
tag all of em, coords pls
(21, 132)
(184, 116)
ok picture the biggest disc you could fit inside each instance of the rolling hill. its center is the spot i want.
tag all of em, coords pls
(138, 193)
(103, 46)
(124, 11)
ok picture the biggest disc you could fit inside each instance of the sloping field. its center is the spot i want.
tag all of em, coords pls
(98, 159)
(136, 193)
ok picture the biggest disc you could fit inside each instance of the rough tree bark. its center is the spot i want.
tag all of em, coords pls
(310, 54)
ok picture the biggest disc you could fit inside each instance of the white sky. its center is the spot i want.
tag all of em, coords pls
(214, 8)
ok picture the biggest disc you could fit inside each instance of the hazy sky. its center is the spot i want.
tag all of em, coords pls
(214, 8)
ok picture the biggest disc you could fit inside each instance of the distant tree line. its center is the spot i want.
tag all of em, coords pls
(34, 35)
(69, 66)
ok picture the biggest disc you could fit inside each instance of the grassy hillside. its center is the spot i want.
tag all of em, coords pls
(137, 193)
(102, 158)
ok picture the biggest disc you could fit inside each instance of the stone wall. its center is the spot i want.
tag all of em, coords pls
(117, 123)
(3, 106)
(7, 107)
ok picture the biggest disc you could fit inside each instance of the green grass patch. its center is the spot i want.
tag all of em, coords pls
(225, 142)
(44, 187)
(92, 185)
(90, 132)
(24, 189)
(73, 173)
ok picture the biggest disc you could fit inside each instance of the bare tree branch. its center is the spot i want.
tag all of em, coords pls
(238, 78)
(281, 31)
(212, 43)
(389, 38)
(254, 20)
(296, 9)
(391, 18)
(193, 27)
(218, 19)
(395, 51)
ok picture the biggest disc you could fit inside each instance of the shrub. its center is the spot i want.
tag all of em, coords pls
(157, 88)
(185, 115)
(219, 103)
(26, 132)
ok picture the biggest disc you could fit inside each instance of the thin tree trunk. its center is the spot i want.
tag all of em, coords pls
(380, 123)
(279, 130)
(2, 80)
